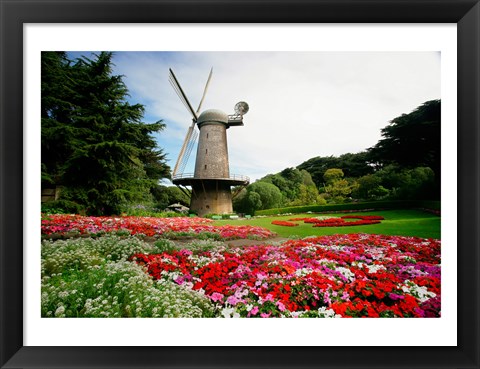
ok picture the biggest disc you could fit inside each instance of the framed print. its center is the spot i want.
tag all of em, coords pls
(29, 28)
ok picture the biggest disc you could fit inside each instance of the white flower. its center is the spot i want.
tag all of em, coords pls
(303, 272)
(347, 273)
(227, 312)
(328, 313)
(421, 293)
(375, 268)
(60, 311)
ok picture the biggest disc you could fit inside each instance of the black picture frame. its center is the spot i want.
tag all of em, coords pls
(15, 13)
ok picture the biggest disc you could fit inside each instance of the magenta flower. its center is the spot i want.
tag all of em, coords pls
(234, 300)
(216, 297)
(254, 310)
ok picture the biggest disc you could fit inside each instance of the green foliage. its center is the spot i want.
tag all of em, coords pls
(367, 185)
(62, 207)
(429, 205)
(247, 202)
(352, 165)
(307, 195)
(337, 189)
(411, 141)
(163, 245)
(332, 175)
(296, 186)
(263, 195)
(270, 195)
(141, 210)
(176, 195)
(93, 141)
(417, 183)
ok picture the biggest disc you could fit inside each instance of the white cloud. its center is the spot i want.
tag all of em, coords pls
(302, 104)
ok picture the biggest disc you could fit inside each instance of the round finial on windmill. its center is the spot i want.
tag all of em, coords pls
(241, 108)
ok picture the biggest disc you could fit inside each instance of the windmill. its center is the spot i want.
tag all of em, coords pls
(211, 181)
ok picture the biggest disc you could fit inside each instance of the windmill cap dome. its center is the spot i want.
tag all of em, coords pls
(213, 115)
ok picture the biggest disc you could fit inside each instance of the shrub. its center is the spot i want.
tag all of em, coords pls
(62, 207)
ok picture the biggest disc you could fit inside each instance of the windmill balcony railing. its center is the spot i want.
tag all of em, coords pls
(232, 177)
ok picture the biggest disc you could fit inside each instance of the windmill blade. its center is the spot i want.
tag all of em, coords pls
(182, 150)
(205, 91)
(190, 145)
(178, 89)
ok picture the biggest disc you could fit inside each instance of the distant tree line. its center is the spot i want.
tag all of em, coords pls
(403, 165)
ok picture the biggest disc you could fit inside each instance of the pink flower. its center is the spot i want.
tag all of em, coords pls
(216, 296)
(180, 280)
(269, 297)
(265, 315)
(254, 311)
(233, 300)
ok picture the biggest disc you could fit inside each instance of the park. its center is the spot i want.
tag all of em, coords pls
(347, 235)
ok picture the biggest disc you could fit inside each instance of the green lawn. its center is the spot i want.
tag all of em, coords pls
(397, 222)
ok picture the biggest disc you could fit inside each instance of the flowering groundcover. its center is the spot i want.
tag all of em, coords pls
(284, 223)
(354, 275)
(339, 221)
(64, 224)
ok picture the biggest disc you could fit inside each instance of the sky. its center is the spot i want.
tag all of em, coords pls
(302, 104)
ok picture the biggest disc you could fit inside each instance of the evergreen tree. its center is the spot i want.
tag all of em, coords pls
(94, 142)
(411, 140)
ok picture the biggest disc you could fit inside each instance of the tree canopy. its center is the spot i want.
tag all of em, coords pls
(94, 142)
(352, 165)
(411, 140)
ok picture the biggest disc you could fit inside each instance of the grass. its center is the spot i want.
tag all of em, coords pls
(397, 222)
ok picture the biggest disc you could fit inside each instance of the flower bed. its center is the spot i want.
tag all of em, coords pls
(356, 275)
(363, 217)
(60, 224)
(284, 223)
(339, 221)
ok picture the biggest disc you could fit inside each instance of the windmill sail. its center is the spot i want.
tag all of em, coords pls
(178, 89)
(205, 91)
(189, 141)
(191, 137)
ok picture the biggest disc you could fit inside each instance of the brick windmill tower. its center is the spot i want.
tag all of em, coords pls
(211, 182)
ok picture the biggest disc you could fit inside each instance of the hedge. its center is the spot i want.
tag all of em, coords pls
(373, 205)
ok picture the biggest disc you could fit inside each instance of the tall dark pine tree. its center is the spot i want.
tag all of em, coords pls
(56, 92)
(94, 142)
